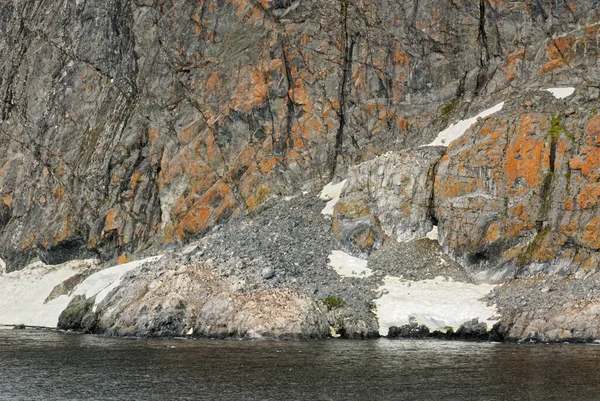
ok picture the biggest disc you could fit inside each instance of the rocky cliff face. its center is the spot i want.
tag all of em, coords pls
(129, 126)
(132, 124)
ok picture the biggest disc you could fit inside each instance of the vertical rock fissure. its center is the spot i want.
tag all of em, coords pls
(546, 193)
(8, 101)
(415, 14)
(542, 227)
(348, 42)
(484, 56)
(431, 174)
(282, 144)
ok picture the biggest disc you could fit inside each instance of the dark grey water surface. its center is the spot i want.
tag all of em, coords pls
(45, 365)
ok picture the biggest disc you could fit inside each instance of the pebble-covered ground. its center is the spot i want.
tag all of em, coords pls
(287, 245)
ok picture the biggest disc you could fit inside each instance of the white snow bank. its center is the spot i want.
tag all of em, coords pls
(102, 283)
(331, 192)
(438, 303)
(348, 266)
(561, 93)
(455, 131)
(22, 293)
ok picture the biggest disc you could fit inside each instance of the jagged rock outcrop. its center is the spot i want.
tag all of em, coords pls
(392, 193)
(517, 194)
(172, 299)
(126, 125)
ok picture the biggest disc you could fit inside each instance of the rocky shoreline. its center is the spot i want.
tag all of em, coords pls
(161, 167)
(271, 275)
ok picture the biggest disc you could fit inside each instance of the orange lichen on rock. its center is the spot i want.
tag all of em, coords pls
(588, 197)
(253, 87)
(559, 53)
(259, 195)
(213, 83)
(524, 155)
(153, 135)
(569, 205)
(589, 236)
(547, 247)
(513, 61)
(136, 178)
(59, 191)
(208, 209)
(111, 222)
(123, 258)
(28, 242)
(493, 232)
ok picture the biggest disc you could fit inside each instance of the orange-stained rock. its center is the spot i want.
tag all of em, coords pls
(559, 53)
(111, 222)
(519, 197)
(124, 258)
(219, 106)
(589, 236)
(208, 210)
(524, 154)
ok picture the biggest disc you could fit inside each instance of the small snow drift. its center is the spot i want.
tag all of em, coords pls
(103, 282)
(331, 192)
(438, 303)
(25, 291)
(561, 93)
(455, 131)
(433, 234)
(348, 266)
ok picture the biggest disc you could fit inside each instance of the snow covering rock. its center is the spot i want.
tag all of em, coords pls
(433, 234)
(26, 293)
(561, 93)
(102, 283)
(455, 131)
(439, 303)
(348, 266)
(331, 193)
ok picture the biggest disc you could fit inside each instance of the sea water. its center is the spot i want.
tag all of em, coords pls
(50, 365)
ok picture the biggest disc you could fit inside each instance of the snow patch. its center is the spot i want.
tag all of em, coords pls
(331, 192)
(438, 303)
(2, 266)
(433, 234)
(23, 293)
(561, 93)
(455, 131)
(348, 266)
(102, 283)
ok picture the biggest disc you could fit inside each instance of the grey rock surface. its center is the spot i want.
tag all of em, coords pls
(127, 125)
(133, 128)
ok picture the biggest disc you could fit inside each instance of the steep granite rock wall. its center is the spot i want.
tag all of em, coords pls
(131, 124)
(519, 191)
